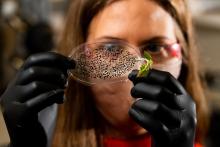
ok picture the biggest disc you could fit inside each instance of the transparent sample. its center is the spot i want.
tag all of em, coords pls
(104, 62)
(112, 61)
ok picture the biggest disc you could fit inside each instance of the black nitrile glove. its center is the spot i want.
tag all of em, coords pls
(164, 109)
(38, 84)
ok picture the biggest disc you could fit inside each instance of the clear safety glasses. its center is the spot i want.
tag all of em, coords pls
(112, 61)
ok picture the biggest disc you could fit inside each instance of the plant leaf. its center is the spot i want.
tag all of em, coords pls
(147, 55)
(144, 69)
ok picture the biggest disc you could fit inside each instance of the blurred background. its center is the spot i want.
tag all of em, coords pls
(31, 26)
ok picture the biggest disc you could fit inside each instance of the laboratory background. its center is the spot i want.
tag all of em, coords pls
(31, 26)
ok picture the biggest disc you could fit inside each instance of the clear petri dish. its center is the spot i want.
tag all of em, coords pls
(104, 62)
(111, 62)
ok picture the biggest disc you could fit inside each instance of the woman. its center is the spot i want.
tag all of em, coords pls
(98, 115)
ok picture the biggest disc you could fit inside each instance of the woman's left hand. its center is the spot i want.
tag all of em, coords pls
(163, 108)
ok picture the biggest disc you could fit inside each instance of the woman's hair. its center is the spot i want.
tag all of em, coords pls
(78, 119)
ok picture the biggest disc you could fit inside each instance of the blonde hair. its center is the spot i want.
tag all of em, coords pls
(77, 123)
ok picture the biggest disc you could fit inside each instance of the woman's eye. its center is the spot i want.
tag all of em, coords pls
(113, 48)
(110, 47)
(154, 48)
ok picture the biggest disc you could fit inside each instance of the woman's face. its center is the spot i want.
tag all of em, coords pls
(138, 23)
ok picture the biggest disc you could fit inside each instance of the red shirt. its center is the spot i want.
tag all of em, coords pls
(140, 141)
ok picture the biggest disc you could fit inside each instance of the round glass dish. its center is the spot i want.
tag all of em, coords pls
(111, 62)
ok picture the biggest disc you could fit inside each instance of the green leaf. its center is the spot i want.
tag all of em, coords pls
(147, 55)
(144, 69)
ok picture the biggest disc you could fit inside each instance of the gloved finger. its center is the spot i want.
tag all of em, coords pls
(50, 75)
(144, 90)
(133, 75)
(169, 117)
(165, 79)
(44, 100)
(159, 94)
(50, 59)
(36, 88)
(146, 121)
(146, 106)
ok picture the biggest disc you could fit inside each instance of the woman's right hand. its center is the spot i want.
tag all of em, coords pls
(38, 84)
